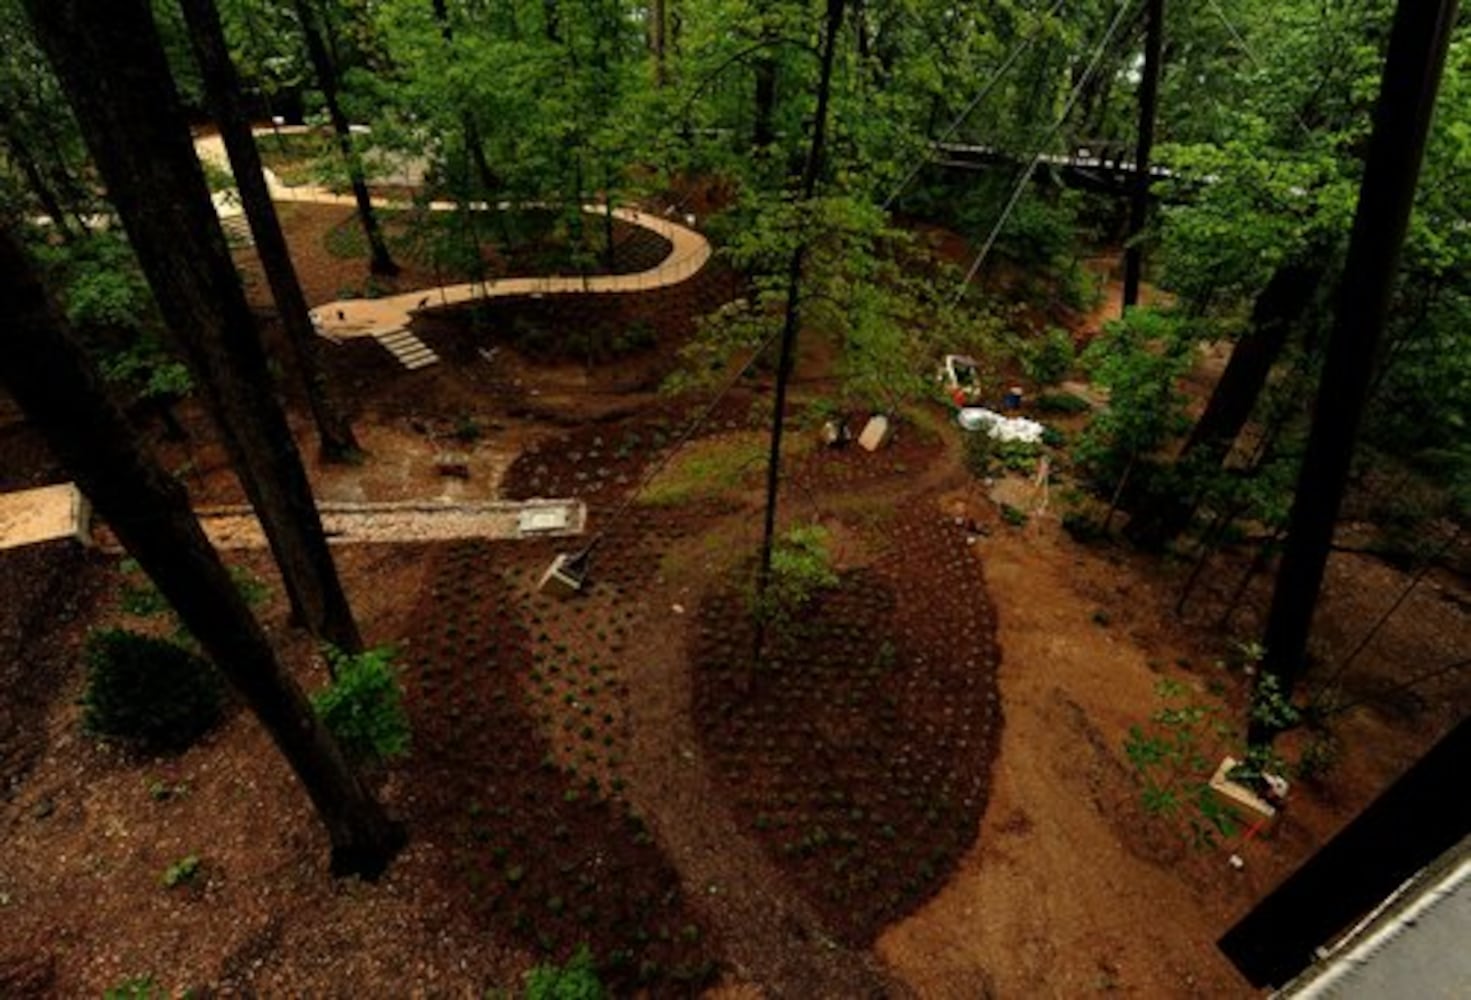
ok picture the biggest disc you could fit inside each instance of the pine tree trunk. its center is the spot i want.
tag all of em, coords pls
(1139, 199)
(1278, 308)
(59, 390)
(658, 31)
(468, 124)
(36, 180)
(326, 71)
(222, 90)
(792, 321)
(111, 65)
(1159, 517)
(1412, 71)
(763, 133)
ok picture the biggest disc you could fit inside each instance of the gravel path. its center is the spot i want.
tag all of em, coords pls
(347, 318)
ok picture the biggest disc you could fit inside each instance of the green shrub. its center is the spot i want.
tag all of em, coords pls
(980, 454)
(136, 988)
(148, 690)
(800, 568)
(139, 598)
(1049, 359)
(363, 707)
(1062, 402)
(181, 871)
(577, 980)
(1014, 516)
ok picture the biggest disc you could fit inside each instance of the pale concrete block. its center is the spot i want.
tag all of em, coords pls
(876, 433)
(1232, 793)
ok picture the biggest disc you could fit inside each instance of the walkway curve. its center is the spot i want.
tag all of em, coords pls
(348, 318)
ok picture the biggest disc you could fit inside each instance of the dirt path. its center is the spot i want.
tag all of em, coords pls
(1022, 917)
(347, 318)
(413, 521)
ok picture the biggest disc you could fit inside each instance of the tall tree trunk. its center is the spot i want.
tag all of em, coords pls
(111, 65)
(1412, 70)
(222, 89)
(763, 132)
(326, 71)
(20, 152)
(1139, 199)
(49, 375)
(658, 32)
(1160, 516)
(792, 322)
(468, 124)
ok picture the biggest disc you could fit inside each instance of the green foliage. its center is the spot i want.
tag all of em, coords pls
(138, 594)
(363, 707)
(253, 590)
(218, 177)
(1050, 358)
(1014, 516)
(148, 369)
(576, 980)
(181, 872)
(139, 597)
(467, 429)
(801, 568)
(136, 988)
(1140, 360)
(709, 467)
(1172, 762)
(149, 691)
(980, 454)
(1270, 707)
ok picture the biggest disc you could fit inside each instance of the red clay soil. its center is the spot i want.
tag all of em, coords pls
(540, 851)
(860, 749)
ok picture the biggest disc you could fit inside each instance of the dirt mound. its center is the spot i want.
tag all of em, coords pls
(861, 750)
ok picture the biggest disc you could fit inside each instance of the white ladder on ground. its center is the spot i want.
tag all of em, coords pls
(410, 351)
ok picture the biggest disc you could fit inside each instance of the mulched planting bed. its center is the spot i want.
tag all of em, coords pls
(625, 339)
(861, 751)
(601, 463)
(545, 852)
(912, 450)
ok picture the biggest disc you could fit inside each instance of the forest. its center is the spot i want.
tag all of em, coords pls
(731, 498)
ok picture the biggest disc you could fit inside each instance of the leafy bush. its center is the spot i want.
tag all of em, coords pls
(800, 568)
(980, 454)
(180, 872)
(1049, 359)
(148, 690)
(577, 980)
(142, 598)
(1061, 402)
(136, 988)
(1172, 762)
(363, 707)
(1139, 359)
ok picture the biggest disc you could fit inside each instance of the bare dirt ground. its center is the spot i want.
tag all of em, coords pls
(1064, 886)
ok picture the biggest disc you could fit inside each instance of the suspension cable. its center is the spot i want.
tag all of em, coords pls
(985, 91)
(1031, 168)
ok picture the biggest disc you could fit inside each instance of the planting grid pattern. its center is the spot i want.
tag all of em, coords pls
(860, 750)
(532, 831)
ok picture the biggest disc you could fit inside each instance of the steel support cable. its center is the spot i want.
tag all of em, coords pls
(1250, 55)
(985, 91)
(1031, 168)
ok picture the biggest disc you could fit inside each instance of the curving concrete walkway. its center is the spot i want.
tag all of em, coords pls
(386, 316)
